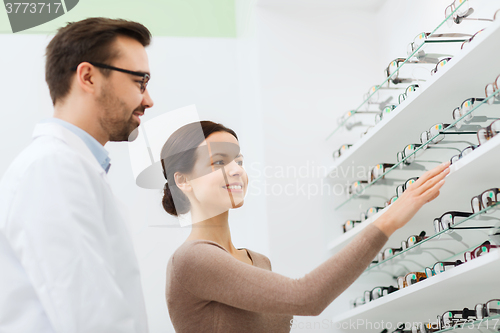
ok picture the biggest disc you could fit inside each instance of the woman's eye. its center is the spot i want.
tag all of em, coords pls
(240, 163)
(219, 162)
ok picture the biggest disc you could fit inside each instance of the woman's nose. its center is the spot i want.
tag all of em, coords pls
(234, 169)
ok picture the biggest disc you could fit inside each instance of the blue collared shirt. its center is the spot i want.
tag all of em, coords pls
(95, 147)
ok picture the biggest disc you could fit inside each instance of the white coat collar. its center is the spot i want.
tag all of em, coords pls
(71, 139)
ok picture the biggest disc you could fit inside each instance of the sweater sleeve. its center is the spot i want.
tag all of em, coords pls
(209, 272)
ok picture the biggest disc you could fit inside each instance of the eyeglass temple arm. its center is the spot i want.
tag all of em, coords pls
(458, 132)
(477, 19)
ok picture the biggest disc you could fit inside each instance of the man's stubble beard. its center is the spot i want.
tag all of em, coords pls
(113, 117)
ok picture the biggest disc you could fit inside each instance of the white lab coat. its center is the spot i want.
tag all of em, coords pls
(67, 262)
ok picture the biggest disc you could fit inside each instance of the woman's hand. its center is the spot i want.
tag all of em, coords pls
(425, 189)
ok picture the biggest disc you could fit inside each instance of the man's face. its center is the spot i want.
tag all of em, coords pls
(120, 97)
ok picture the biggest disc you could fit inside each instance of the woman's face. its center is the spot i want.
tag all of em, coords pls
(218, 180)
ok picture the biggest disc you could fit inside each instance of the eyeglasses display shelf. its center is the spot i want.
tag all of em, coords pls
(433, 103)
(463, 286)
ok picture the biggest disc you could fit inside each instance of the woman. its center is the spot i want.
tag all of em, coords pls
(214, 287)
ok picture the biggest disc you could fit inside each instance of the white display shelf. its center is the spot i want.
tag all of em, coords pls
(463, 77)
(469, 176)
(464, 286)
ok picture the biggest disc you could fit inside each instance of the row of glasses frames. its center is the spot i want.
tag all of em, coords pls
(464, 318)
(486, 201)
(357, 187)
(413, 278)
(461, 11)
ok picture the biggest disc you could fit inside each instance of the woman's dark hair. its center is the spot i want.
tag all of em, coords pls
(87, 40)
(179, 155)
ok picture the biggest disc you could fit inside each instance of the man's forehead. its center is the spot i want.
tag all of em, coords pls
(131, 54)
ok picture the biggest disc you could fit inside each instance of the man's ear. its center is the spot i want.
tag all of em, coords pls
(86, 76)
(182, 182)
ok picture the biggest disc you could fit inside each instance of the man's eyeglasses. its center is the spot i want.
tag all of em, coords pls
(145, 76)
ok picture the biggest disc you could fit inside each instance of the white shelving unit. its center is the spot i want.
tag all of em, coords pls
(477, 281)
(451, 290)
(463, 77)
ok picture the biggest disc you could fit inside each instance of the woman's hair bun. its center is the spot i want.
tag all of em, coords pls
(183, 204)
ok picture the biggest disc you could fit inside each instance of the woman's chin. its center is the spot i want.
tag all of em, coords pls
(238, 205)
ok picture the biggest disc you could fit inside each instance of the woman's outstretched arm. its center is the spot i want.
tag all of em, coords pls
(209, 272)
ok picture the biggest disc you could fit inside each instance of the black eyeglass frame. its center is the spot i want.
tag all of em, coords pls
(145, 76)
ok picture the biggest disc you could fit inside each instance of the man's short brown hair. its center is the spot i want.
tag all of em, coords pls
(88, 40)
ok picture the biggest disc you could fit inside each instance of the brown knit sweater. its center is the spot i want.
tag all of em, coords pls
(208, 290)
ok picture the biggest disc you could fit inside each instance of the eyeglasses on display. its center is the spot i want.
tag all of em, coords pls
(348, 114)
(491, 89)
(427, 37)
(458, 11)
(434, 131)
(350, 224)
(388, 109)
(455, 317)
(440, 64)
(441, 267)
(377, 292)
(356, 187)
(466, 151)
(403, 187)
(486, 133)
(412, 88)
(338, 152)
(370, 212)
(410, 279)
(468, 41)
(482, 249)
(145, 76)
(448, 220)
(392, 70)
(488, 309)
(378, 171)
(413, 240)
(484, 200)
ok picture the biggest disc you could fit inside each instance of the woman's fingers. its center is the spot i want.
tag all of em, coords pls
(433, 192)
(429, 181)
(433, 172)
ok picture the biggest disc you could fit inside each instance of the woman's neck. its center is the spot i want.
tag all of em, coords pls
(215, 229)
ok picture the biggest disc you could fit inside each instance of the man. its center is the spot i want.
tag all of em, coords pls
(68, 263)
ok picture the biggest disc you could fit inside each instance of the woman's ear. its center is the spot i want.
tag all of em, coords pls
(182, 182)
